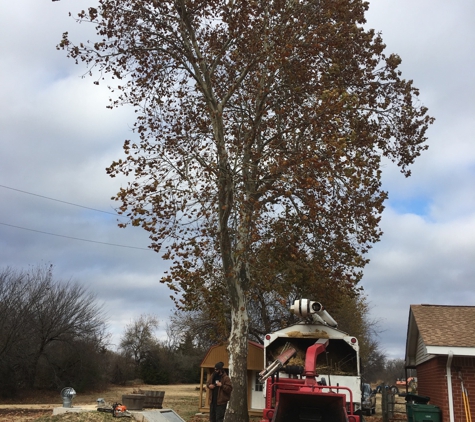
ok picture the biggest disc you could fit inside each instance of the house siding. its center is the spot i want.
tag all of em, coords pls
(421, 354)
(432, 382)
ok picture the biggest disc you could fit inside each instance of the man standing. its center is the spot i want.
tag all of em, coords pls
(220, 388)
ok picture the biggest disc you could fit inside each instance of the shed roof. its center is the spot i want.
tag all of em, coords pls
(441, 329)
(217, 353)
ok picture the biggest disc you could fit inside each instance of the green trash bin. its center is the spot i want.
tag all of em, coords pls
(423, 413)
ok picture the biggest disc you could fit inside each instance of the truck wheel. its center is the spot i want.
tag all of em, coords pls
(394, 389)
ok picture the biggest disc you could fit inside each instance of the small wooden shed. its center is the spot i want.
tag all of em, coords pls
(440, 345)
(255, 364)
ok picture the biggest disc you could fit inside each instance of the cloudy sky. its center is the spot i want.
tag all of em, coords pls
(57, 138)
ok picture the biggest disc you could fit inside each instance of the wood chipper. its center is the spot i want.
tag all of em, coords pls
(312, 370)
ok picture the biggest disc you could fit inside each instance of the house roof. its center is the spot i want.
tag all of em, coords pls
(441, 325)
(442, 329)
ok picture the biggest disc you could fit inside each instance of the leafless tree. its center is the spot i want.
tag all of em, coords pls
(139, 338)
(36, 314)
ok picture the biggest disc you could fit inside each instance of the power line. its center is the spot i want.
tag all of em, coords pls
(75, 238)
(60, 235)
(58, 200)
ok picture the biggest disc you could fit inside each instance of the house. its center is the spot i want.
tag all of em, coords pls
(255, 362)
(440, 345)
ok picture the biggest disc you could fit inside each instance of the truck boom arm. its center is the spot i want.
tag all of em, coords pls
(277, 364)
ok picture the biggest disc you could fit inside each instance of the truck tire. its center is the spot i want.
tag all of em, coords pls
(394, 389)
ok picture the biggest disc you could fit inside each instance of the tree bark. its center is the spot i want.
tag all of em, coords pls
(237, 350)
(237, 276)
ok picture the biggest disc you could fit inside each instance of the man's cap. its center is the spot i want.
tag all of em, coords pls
(219, 365)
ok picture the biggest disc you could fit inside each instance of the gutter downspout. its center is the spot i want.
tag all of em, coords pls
(449, 386)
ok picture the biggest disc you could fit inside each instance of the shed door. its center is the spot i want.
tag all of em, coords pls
(257, 393)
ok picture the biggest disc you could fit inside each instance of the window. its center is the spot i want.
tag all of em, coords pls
(257, 385)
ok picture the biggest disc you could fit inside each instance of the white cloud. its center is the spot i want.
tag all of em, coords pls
(428, 257)
(57, 137)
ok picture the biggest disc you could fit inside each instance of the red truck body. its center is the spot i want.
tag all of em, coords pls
(292, 400)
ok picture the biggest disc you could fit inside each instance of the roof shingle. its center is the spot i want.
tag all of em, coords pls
(443, 325)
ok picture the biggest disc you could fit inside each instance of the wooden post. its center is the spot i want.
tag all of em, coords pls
(384, 404)
(391, 401)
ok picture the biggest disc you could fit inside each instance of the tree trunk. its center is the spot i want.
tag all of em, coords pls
(236, 278)
(237, 350)
(235, 269)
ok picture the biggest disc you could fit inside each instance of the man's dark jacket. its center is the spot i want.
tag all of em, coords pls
(224, 392)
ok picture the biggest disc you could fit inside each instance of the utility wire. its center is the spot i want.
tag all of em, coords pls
(68, 237)
(75, 238)
(58, 200)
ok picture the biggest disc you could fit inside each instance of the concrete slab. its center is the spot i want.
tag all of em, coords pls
(75, 409)
(156, 415)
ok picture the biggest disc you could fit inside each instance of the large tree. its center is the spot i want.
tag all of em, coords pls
(253, 118)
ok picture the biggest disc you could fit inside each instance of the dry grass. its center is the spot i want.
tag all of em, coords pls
(183, 399)
(38, 406)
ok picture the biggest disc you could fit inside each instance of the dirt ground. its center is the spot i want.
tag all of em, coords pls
(33, 405)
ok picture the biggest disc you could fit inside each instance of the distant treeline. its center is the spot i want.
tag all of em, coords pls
(53, 334)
